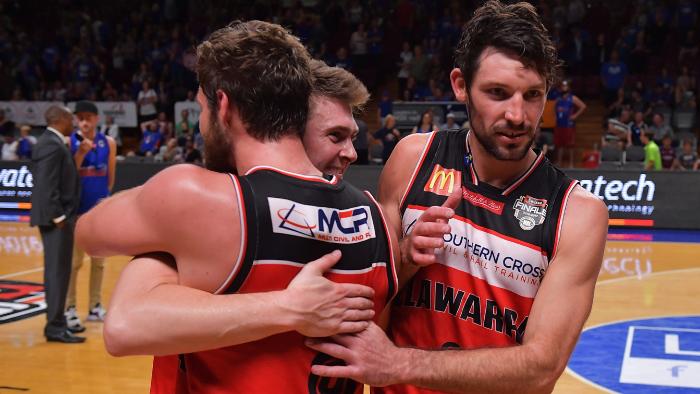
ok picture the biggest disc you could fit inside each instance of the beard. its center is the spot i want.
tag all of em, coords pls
(218, 153)
(488, 138)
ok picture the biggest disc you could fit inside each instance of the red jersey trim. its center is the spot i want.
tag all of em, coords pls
(526, 175)
(333, 270)
(560, 219)
(392, 260)
(244, 236)
(488, 230)
(416, 170)
(312, 178)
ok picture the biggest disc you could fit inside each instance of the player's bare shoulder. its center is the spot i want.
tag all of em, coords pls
(402, 163)
(186, 186)
(586, 204)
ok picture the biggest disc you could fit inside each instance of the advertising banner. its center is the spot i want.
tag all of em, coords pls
(661, 199)
(16, 184)
(408, 114)
(655, 199)
(123, 112)
(192, 109)
(27, 112)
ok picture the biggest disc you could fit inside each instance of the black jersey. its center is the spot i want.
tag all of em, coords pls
(288, 220)
(480, 292)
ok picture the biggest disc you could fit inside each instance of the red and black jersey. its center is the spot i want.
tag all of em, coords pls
(480, 292)
(289, 220)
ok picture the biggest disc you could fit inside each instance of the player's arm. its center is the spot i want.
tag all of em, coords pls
(393, 184)
(143, 219)
(418, 247)
(111, 163)
(552, 331)
(150, 313)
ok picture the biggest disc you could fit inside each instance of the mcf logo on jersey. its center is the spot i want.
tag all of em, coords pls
(442, 180)
(530, 211)
(347, 226)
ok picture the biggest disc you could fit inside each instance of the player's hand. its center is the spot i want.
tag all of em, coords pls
(85, 146)
(419, 246)
(369, 356)
(323, 308)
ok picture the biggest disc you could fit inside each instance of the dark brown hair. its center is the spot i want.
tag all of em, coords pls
(514, 29)
(339, 84)
(264, 71)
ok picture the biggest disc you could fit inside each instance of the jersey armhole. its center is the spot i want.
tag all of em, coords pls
(560, 219)
(242, 251)
(416, 170)
(392, 276)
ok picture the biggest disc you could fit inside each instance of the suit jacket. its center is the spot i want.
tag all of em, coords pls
(56, 190)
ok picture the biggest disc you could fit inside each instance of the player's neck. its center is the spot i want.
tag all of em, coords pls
(497, 173)
(287, 154)
(90, 134)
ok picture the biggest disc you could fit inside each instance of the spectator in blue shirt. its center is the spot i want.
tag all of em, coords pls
(612, 74)
(26, 142)
(151, 139)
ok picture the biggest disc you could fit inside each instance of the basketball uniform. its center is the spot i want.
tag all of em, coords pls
(94, 172)
(565, 130)
(480, 292)
(289, 220)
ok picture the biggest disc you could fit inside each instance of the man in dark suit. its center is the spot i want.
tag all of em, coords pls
(55, 198)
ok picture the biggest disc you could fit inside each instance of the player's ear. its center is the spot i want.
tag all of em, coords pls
(224, 109)
(459, 85)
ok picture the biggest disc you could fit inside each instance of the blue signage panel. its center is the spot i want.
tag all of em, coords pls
(659, 355)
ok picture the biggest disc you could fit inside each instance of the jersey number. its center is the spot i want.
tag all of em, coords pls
(320, 385)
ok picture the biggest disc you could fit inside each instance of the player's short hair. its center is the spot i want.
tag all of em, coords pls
(339, 84)
(514, 29)
(264, 71)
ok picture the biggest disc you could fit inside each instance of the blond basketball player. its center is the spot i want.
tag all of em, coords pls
(246, 235)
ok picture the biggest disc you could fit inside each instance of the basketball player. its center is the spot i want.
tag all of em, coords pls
(508, 284)
(192, 213)
(95, 155)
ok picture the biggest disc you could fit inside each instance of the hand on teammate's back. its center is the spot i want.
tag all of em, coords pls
(324, 308)
(419, 246)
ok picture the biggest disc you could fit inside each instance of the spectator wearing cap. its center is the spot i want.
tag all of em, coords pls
(450, 123)
(95, 157)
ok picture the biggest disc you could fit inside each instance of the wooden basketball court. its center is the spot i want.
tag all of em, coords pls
(639, 279)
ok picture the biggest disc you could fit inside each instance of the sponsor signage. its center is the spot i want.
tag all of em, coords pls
(123, 112)
(347, 226)
(16, 184)
(442, 181)
(32, 112)
(27, 112)
(660, 199)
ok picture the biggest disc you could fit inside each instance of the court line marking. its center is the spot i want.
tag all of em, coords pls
(575, 375)
(20, 273)
(615, 280)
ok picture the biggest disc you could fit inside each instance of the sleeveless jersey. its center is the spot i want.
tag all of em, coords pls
(94, 172)
(290, 220)
(564, 108)
(480, 292)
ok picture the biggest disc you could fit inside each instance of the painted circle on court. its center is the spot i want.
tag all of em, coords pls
(652, 355)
